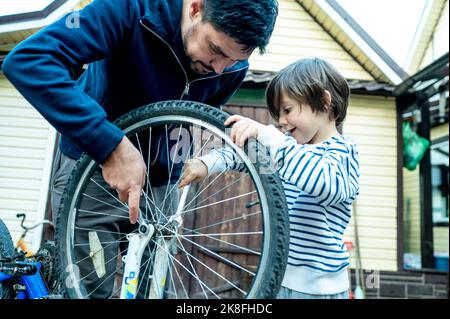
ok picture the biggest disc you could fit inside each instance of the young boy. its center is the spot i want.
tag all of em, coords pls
(319, 168)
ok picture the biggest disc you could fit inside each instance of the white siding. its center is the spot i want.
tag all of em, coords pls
(411, 211)
(439, 43)
(26, 149)
(297, 35)
(371, 123)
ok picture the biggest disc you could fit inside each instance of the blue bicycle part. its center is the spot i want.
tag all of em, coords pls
(20, 278)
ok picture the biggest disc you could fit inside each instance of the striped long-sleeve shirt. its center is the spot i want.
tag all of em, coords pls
(320, 183)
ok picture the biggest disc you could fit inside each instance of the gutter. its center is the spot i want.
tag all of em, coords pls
(437, 69)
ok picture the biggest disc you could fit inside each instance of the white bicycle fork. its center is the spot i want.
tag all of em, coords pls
(138, 243)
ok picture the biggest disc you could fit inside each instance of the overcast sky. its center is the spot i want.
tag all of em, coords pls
(391, 23)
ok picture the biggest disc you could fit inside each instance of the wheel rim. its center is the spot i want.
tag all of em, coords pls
(205, 290)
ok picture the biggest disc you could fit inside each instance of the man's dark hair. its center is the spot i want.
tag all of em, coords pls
(306, 81)
(248, 22)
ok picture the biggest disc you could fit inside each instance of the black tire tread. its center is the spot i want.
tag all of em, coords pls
(6, 251)
(273, 274)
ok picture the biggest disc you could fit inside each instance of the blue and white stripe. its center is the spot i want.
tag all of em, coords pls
(320, 183)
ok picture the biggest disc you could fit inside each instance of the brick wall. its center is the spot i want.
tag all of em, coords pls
(404, 285)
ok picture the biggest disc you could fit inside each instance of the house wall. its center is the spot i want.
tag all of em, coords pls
(26, 151)
(403, 284)
(371, 123)
(297, 35)
(439, 44)
(411, 213)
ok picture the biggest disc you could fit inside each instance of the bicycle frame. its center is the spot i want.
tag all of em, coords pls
(137, 244)
(29, 277)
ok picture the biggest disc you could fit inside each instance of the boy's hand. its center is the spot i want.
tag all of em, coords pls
(194, 170)
(243, 129)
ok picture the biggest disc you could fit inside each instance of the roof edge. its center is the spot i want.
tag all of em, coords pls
(373, 50)
(439, 67)
(35, 15)
(37, 19)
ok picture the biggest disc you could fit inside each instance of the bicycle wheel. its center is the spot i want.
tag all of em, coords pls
(233, 240)
(6, 251)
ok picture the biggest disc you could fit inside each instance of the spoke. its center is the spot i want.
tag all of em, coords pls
(212, 270)
(172, 280)
(171, 167)
(146, 173)
(148, 201)
(98, 213)
(152, 257)
(231, 244)
(174, 259)
(103, 242)
(148, 167)
(104, 280)
(196, 155)
(94, 252)
(206, 187)
(220, 174)
(224, 221)
(142, 273)
(154, 204)
(193, 269)
(223, 234)
(171, 275)
(178, 180)
(217, 255)
(218, 202)
(220, 190)
(168, 169)
(100, 230)
(106, 203)
(106, 191)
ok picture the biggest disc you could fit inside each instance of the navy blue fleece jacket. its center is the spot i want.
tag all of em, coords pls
(135, 56)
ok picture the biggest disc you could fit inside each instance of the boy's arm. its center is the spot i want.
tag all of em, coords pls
(332, 177)
(222, 159)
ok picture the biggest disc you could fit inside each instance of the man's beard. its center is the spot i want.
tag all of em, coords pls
(197, 66)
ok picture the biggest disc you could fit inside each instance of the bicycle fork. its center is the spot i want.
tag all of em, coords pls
(138, 243)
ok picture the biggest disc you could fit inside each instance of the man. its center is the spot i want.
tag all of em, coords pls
(137, 52)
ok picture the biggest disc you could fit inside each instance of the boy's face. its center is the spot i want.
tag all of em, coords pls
(298, 119)
(210, 50)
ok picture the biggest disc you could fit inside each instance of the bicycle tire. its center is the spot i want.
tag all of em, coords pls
(6, 251)
(270, 268)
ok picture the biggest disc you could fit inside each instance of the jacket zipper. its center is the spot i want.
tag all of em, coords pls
(187, 83)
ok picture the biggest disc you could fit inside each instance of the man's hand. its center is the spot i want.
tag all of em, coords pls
(194, 170)
(243, 129)
(124, 170)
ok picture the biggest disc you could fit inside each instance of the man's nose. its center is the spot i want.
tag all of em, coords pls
(220, 64)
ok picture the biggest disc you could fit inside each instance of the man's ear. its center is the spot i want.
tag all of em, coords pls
(327, 99)
(195, 8)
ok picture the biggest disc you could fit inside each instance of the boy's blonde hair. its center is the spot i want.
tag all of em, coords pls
(306, 81)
